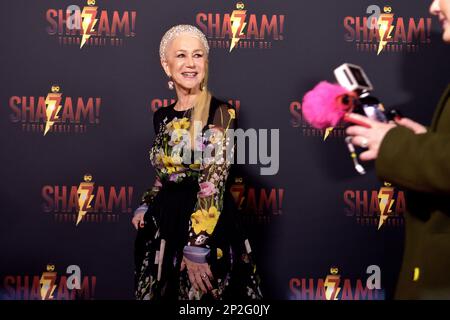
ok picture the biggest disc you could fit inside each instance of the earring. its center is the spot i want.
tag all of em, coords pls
(202, 85)
(170, 84)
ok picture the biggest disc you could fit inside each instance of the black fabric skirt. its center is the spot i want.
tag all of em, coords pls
(168, 218)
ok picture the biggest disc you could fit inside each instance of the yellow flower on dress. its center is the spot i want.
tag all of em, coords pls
(159, 158)
(232, 113)
(178, 124)
(203, 220)
(172, 164)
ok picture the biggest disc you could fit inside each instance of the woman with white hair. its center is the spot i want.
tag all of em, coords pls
(189, 244)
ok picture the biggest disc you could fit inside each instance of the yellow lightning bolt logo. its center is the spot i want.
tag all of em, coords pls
(385, 28)
(327, 132)
(52, 108)
(47, 283)
(237, 24)
(385, 200)
(331, 285)
(85, 196)
(88, 22)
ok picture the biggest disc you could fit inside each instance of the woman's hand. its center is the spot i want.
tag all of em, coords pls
(138, 219)
(372, 137)
(199, 274)
(417, 128)
(369, 138)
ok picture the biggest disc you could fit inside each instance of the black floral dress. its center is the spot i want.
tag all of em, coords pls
(189, 209)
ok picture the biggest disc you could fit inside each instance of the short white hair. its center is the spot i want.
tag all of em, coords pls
(176, 31)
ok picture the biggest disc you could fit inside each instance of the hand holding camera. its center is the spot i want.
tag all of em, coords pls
(350, 101)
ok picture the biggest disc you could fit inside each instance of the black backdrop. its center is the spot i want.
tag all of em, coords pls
(302, 221)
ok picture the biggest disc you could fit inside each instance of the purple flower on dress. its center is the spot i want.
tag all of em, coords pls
(174, 177)
(207, 189)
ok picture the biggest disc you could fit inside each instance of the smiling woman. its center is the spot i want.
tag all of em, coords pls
(189, 244)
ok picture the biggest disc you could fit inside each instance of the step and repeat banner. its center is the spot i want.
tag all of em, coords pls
(81, 80)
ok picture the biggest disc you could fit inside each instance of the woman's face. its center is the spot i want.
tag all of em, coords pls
(185, 61)
(441, 8)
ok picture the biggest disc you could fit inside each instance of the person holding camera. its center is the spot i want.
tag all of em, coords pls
(417, 159)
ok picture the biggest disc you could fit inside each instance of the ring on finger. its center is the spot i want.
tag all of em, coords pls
(364, 143)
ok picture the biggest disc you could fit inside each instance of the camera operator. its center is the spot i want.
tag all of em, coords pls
(417, 159)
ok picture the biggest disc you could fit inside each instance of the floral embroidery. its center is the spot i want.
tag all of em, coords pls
(212, 180)
(211, 170)
(178, 124)
(203, 220)
(207, 189)
(166, 153)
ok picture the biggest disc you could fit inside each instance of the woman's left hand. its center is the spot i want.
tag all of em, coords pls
(369, 138)
(199, 274)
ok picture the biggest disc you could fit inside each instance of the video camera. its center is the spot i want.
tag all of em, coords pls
(353, 78)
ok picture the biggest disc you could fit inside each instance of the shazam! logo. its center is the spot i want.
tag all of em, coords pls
(382, 30)
(337, 287)
(87, 202)
(50, 285)
(241, 29)
(55, 112)
(90, 26)
(384, 207)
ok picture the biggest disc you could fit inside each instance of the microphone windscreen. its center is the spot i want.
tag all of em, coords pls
(323, 106)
